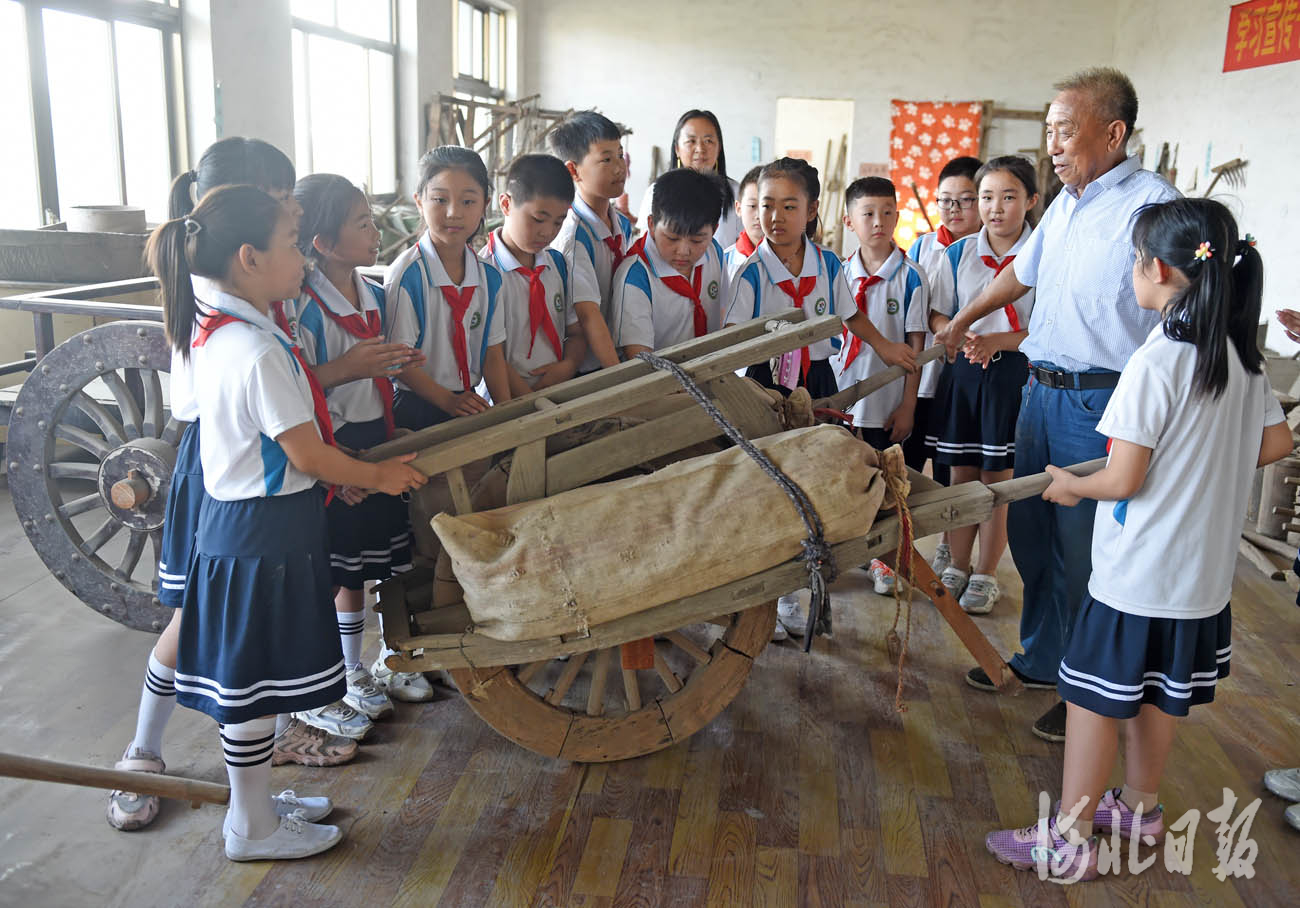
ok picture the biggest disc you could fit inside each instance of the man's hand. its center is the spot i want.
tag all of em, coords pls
(952, 336)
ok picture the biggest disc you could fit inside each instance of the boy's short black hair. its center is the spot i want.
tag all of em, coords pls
(686, 200)
(751, 179)
(573, 138)
(534, 176)
(965, 166)
(869, 187)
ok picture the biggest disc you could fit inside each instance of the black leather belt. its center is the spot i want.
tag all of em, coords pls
(1074, 381)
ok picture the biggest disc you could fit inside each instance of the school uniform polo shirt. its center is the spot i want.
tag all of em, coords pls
(585, 240)
(526, 351)
(323, 339)
(645, 311)
(966, 268)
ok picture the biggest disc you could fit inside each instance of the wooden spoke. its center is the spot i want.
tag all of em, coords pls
(107, 530)
(665, 673)
(86, 471)
(153, 402)
(81, 505)
(90, 443)
(529, 671)
(131, 557)
(688, 646)
(599, 675)
(566, 679)
(155, 542)
(172, 431)
(132, 421)
(631, 690)
(107, 422)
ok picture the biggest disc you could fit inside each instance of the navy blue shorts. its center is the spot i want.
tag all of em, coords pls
(258, 631)
(1115, 661)
(370, 540)
(181, 519)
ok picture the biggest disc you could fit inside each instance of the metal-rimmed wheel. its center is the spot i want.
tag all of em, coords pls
(90, 454)
(588, 709)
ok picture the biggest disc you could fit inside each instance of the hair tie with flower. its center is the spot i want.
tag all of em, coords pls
(1204, 252)
(1246, 242)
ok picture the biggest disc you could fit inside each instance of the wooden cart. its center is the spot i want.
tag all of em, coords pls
(571, 696)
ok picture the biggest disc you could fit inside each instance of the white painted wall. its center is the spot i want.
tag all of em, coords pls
(252, 64)
(644, 67)
(1173, 51)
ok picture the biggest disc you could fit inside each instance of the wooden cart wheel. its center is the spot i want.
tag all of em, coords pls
(586, 708)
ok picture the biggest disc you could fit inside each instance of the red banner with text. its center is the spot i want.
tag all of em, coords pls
(1262, 32)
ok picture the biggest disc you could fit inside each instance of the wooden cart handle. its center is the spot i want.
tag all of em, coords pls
(17, 766)
(1036, 483)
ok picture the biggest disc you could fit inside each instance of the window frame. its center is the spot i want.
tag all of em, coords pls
(465, 82)
(164, 16)
(312, 27)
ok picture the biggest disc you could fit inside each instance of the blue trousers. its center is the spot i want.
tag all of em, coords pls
(1052, 545)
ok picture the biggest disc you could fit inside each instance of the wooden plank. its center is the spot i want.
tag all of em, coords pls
(627, 448)
(819, 815)
(528, 473)
(599, 675)
(691, 853)
(459, 490)
(932, 512)
(537, 425)
(731, 873)
(602, 858)
(576, 388)
(776, 877)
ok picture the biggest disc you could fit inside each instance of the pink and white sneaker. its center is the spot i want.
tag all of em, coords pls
(1043, 848)
(1112, 812)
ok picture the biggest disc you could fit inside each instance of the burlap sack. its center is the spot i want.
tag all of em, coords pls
(563, 564)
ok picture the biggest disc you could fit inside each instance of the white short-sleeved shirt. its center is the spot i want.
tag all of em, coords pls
(323, 339)
(646, 312)
(512, 306)
(583, 240)
(734, 257)
(754, 290)
(927, 251)
(728, 227)
(419, 316)
(249, 389)
(897, 306)
(963, 273)
(1171, 549)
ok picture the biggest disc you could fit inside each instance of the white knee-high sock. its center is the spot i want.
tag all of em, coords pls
(157, 700)
(247, 748)
(351, 624)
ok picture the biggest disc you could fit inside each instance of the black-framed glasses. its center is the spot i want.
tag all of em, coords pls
(947, 204)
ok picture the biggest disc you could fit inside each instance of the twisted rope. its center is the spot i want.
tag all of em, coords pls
(816, 556)
(904, 568)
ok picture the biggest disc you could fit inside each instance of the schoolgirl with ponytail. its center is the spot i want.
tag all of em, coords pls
(255, 635)
(1191, 419)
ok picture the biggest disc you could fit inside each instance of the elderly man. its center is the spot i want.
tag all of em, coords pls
(1085, 325)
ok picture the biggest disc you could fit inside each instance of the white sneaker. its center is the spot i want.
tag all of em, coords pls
(296, 838)
(791, 615)
(955, 580)
(366, 696)
(1285, 783)
(286, 802)
(882, 575)
(779, 632)
(942, 558)
(409, 687)
(980, 594)
(338, 719)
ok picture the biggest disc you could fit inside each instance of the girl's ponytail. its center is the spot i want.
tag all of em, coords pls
(1221, 302)
(203, 242)
(180, 201)
(169, 254)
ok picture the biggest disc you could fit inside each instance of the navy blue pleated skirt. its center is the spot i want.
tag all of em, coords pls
(259, 634)
(370, 540)
(973, 419)
(1116, 661)
(181, 518)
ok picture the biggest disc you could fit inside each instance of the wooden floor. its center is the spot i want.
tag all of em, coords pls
(810, 789)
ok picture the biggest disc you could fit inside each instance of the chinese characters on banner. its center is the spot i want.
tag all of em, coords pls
(1261, 32)
(925, 135)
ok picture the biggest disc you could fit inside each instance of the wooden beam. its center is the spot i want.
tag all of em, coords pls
(858, 390)
(17, 766)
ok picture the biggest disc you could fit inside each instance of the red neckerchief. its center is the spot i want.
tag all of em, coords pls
(363, 329)
(744, 245)
(797, 295)
(539, 316)
(1012, 318)
(945, 237)
(615, 243)
(859, 297)
(678, 284)
(459, 299)
(210, 322)
(281, 320)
